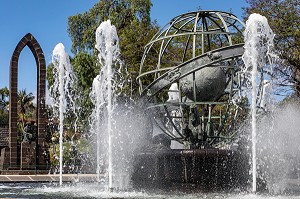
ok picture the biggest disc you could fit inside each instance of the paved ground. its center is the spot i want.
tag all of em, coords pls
(49, 178)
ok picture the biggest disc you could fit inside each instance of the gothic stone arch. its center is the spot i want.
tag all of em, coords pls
(31, 42)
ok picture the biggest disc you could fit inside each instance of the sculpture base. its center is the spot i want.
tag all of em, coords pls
(207, 169)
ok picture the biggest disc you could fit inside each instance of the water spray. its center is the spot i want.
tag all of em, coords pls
(61, 93)
(258, 38)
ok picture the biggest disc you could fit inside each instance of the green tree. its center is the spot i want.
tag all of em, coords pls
(25, 105)
(134, 26)
(84, 66)
(25, 111)
(4, 94)
(82, 27)
(284, 19)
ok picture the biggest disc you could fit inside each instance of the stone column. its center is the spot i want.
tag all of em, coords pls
(13, 112)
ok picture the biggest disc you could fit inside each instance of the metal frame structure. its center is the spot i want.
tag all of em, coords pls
(188, 44)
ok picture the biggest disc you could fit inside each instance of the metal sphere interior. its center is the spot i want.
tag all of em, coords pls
(198, 54)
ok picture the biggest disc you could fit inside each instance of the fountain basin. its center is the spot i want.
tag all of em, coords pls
(208, 169)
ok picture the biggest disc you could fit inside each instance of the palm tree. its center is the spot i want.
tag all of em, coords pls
(25, 105)
(25, 111)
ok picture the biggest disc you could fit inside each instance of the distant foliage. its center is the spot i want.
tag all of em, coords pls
(134, 27)
(4, 94)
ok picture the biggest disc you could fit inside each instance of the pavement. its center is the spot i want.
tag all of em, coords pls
(49, 178)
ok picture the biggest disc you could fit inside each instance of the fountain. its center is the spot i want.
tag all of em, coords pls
(107, 43)
(61, 93)
(258, 38)
(194, 81)
(204, 115)
(199, 115)
(214, 71)
(113, 118)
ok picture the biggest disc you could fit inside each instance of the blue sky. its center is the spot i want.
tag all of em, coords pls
(47, 21)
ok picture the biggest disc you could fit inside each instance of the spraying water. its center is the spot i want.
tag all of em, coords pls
(61, 93)
(107, 43)
(119, 125)
(258, 38)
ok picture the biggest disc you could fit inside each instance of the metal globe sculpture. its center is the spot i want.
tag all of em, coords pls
(189, 74)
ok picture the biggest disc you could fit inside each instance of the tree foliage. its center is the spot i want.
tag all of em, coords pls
(122, 13)
(26, 112)
(25, 105)
(284, 19)
(4, 94)
(84, 65)
(26, 108)
(134, 26)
